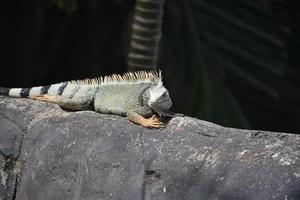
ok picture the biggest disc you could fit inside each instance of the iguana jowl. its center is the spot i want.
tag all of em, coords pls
(136, 95)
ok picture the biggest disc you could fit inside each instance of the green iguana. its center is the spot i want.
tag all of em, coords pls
(140, 96)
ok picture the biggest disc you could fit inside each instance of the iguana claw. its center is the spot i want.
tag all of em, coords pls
(152, 122)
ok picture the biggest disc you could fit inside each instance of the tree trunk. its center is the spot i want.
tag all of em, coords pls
(146, 33)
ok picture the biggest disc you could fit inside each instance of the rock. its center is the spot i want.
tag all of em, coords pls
(47, 153)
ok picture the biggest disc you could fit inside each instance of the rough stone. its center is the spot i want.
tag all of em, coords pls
(47, 153)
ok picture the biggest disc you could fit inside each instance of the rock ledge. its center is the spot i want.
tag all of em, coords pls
(47, 153)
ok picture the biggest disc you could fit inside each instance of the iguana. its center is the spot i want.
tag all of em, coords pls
(140, 96)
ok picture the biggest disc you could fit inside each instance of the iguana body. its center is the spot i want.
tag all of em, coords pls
(135, 95)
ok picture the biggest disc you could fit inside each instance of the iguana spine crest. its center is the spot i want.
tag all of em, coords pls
(130, 77)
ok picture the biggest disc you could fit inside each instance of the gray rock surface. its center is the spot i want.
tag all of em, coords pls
(47, 153)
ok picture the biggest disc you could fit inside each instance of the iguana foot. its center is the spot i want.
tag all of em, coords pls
(47, 98)
(152, 122)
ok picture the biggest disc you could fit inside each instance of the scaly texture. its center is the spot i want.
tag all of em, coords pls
(137, 95)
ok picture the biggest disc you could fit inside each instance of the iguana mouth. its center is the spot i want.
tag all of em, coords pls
(164, 113)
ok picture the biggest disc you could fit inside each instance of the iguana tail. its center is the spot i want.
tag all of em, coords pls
(4, 91)
(20, 92)
(56, 89)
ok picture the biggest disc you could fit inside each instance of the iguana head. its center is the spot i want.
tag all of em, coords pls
(159, 98)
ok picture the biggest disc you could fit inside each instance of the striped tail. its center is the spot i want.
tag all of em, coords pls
(55, 89)
(4, 91)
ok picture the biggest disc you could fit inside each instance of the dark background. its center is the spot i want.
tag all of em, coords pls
(235, 63)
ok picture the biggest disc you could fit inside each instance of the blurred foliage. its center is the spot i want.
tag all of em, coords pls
(42, 42)
(69, 5)
(235, 63)
(232, 60)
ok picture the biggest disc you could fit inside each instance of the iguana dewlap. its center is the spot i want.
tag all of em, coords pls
(136, 95)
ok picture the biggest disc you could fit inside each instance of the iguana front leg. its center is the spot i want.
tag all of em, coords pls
(151, 122)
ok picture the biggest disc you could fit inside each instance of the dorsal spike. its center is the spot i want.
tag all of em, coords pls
(128, 77)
